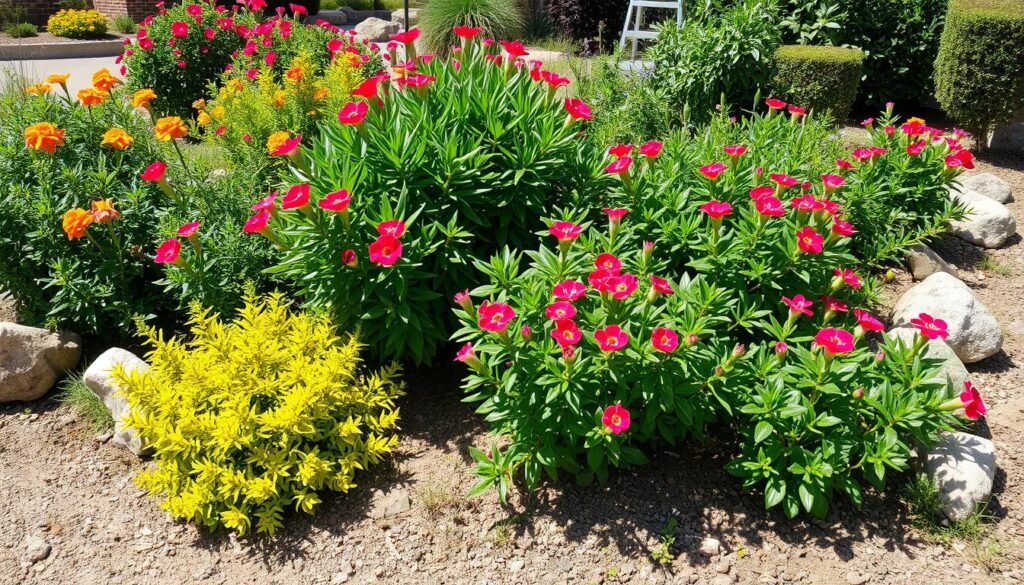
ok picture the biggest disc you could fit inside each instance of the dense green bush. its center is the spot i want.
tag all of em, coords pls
(824, 79)
(500, 19)
(716, 54)
(979, 73)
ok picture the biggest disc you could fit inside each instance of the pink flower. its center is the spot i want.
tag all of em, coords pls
(735, 150)
(611, 338)
(832, 182)
(651, 149)
(467, 32)
(622, 286)
(269, 58)
(960, 159)
(553, 79)
(774, 104)
(336, 201)
(349, 258)
(867, 321)
(169, 252)
(713, 170)
(615, 214)
(716, 209)
(565, 231)
(770, 206)
(466, 354)
(805, 203)
(834, 341)
(783, 181)
(847, 276)
(194, 9)
(916, 148)
(189, 229)
(393, 227)
(154, 173)
(577, 109)
(566, 333)
(809, 241)
(599, 279)
(289, 146)
(353, 113)
(257, 223)
(797, 111)
(834, 305)
(660, 285)
(385, 250)
(406, 37)
(930, 327)
(297, 196)
(616, 419)
(620, 165)
(842, 228)
(863, 154)
(268, 203)
(560, 310)
(844, 164)
(609, 262)
(179, 29)
(799, 305)
(974, 406)
(664, 339)
(495, 316)
(620, 150)
(569, 290)
(515, 49)
(762, 191)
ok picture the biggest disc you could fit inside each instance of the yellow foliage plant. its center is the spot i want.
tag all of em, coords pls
(250, 417)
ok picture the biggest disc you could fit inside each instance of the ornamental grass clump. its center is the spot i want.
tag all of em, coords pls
(249, 418)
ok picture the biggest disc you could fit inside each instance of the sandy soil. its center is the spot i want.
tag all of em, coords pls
(60, 484)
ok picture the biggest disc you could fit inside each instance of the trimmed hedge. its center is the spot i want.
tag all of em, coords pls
(979, 73)
(820, 78)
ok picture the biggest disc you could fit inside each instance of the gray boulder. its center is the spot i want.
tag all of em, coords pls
(399, 17)
(952, 368)
(32, 359)
(988, 185)
(988, 223)
(924, 262)
(99, 379)
(335, 17)
(376, 29)
(974, 333)
(963, 467)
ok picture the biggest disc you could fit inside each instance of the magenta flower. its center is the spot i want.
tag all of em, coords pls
(651, 149)
(189, 229)
(495, 316)
(799, 305)
(154, 173)
(774, 104)
(622, 286)
(560, 310)
(385, 250)
(565, 231)
(974, 406)
(867, 321)
(616, 419)
(735, 150)
(661, 286)
(770, 206)
(296, 198)
(762, 191)
(609, 262)
(566, 333)
(169, 252)
(713, 170)
(834, 341)
(337, 201)
(809, 241)
(717, 209)
(847, 276)
(620, 165)
(569, 290)
(620, 150)
(834, 305)
(930, 327)
(842, 228)
(611, 338)
(392, 227)
(664, 339)
(353, 113)
(577, 109)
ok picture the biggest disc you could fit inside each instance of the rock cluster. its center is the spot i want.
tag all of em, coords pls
(32, 359)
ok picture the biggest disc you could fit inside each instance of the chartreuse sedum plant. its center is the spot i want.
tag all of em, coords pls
(428, 166)
(249, 418)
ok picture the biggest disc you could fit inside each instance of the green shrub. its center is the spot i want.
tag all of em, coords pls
(979, 77)
(500, 19)
(21, 30)
(11, 13)
(78, 24)
(84, 402)
(250, 418)
(714, 55)
(125, 24)
(824, 79)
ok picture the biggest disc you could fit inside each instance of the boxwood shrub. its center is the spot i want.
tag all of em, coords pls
(979, 73)
(819, 78)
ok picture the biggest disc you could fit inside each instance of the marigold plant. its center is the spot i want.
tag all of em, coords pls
(77, 24)
(249, 418)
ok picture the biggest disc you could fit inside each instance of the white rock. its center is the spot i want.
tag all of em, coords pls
(974, 333)
(399, 17)
(952, 368)
(924, 262)
(390, 503)
(377, 30)
(963, 467)
(988, 185)
(98, 378)
(31, 359)
(988, 223)
(36, 549)
(710, 547)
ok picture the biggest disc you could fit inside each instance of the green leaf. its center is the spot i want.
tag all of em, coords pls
(762, 431)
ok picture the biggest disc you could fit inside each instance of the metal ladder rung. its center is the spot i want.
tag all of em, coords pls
(641, 34)
(666, 4)
(634, 16)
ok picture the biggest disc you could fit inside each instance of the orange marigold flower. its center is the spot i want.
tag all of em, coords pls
(103, 80)
(91, 96)
(170, 128)
(279, 98)
(276, 141)
(44, 136)
(199, 104)
(103, 211)
(117, 139)
(141, 98)
(38, 89)
(321, 94)
(76, 222)
(295, 74)
(60, 78)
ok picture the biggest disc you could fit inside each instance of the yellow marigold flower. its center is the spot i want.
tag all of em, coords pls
(76, 222)
(170, 128)
(59, 78)
(38, 89)
(91, 96)
(142, 97)
(204, 119)
(117, 139)
(276, 141)
(103, 80)
(44, 136)
(218, 112)
(236, 85)
(103, 211)
(279, 98)
(321, 94)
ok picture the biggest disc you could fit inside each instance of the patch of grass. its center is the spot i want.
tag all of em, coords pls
(437, 498)
(504, 535)
(21, 30)
(78, 397)
(125, 24)
(991, 265)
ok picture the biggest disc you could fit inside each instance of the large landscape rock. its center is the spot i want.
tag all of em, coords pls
(924, 262)
(98, 379)
(952, 368)
(963, 467)
(377, 30)
(988, 185)
(974, 333)
(32, 359)
(988, 223)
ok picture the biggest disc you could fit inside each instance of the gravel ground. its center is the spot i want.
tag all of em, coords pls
(72, 516)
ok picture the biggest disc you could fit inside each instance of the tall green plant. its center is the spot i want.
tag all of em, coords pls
(500, 19)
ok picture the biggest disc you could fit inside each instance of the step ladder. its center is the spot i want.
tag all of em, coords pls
(635, 15)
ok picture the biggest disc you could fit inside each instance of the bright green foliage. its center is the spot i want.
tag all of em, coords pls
(21, 30)
(78, 24)
(469, 162)
(715, 55)
(979, 73)
(249, 418)
(823, 79)
(86, 404)
(502, 19)
(125, 24)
